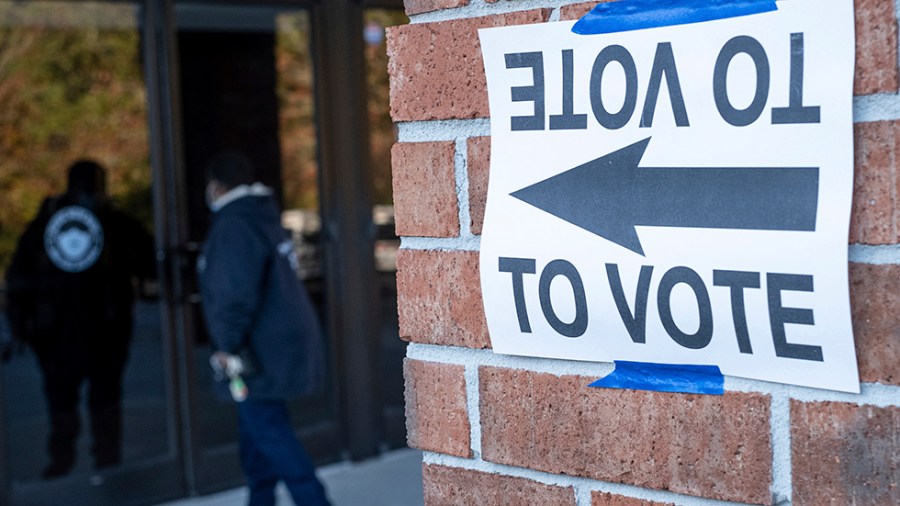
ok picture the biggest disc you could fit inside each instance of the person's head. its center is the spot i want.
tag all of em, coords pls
(226, 171)
(87, 178)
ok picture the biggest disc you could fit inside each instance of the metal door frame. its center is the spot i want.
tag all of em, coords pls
(346, 207)
(167, 164)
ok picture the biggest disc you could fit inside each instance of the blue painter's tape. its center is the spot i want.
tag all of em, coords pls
(690, 379)
(626, 15)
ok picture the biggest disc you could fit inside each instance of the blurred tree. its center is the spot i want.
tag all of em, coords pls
(72, 87)
(299, 164)
(297, 107)
(382, 133)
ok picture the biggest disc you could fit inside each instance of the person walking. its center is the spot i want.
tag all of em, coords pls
(264, 330)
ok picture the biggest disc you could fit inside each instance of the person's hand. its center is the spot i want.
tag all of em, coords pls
(220, 358)
(230, 364)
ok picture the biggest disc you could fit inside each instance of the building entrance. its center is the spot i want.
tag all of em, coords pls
(74, 88)
(152, 92)
(246, 82)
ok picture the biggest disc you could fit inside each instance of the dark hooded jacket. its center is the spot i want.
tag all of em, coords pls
(253, 300)
(78, 311)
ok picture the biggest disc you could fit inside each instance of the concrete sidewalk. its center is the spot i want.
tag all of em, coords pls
(392, 479)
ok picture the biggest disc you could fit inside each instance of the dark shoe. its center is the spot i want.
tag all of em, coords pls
(105, 463)
(56, 469)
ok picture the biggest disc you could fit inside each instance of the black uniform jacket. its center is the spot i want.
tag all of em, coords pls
(253, 300)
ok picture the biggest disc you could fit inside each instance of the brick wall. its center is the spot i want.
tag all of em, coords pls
(512, 430)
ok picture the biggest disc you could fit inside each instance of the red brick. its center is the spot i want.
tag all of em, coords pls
(439, 298)
(607, 499)
(425, 189)
(876, 47)
(436, 68)
(875, 300)
(437, 417)
(709, 446)
(420, 6)
(845, 454)
(479, 165)
(874, 218)
(452, 486)
(576, 11)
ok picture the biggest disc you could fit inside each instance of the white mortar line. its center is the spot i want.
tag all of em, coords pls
(470, 243)
(479, 8)
(582, 496)
(780, 419)
(461, 173)
(858, 253)
(871, 393)
(477, 358)
(473, 403)
(579, 484)
(442, 130)
(880, 107)
(881, 255)
(555, 15)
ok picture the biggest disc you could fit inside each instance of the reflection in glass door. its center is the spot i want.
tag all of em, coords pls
(72, 87)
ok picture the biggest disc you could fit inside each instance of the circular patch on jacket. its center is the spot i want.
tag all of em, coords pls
(73, 239)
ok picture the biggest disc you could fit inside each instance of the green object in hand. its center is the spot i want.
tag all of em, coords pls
(238, 388)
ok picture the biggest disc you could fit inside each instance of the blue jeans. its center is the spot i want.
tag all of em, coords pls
(270, 452)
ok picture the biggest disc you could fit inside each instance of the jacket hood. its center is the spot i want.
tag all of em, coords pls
(255, 190)
(253, 207)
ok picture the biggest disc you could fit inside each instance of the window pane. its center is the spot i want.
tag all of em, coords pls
(382, 136)
(72, 87)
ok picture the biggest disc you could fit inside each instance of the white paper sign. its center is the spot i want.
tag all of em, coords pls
(675, 195)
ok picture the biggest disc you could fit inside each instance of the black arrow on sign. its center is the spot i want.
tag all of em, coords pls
(611, 195)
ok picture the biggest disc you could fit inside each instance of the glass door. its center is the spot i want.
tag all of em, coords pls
(88, 409)
(246, 82)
